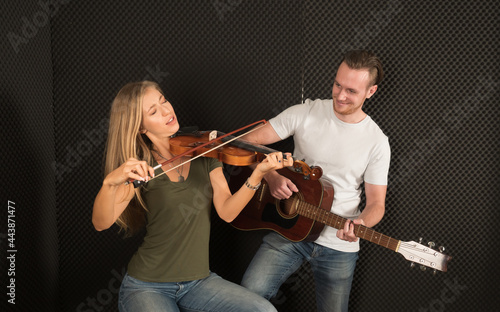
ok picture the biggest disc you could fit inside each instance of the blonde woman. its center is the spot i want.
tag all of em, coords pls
(170, 270)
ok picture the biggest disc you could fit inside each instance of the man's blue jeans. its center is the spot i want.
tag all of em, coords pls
(209, 294)
(277, 258)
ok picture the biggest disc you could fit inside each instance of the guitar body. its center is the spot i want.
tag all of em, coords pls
(304, 215)
(266, 212)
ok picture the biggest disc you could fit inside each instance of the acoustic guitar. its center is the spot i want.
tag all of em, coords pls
(304, 215)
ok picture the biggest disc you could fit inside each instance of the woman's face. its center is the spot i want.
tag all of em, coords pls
(158, 117)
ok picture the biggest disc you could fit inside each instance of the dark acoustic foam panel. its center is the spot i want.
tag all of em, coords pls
(438, 105)
(28, 229)
(224, 64)
(218, 72)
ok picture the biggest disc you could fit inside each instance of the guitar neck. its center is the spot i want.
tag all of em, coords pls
(326, 217)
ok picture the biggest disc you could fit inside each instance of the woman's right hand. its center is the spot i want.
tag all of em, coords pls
(131, 169)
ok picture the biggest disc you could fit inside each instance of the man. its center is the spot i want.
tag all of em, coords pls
(351, 149)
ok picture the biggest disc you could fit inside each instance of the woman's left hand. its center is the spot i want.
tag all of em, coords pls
(275, 161)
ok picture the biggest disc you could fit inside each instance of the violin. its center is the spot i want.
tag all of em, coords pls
(227, 149)
(230, 154)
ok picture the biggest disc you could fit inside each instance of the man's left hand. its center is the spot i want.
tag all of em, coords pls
(347, 233)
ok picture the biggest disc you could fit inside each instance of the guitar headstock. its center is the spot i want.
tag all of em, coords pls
(425, 256)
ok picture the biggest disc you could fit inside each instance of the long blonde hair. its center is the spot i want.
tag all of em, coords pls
(125, 141)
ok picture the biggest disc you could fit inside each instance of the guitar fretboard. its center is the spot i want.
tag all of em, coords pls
(326, 217)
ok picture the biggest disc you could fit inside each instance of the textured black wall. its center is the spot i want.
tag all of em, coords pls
(28, 228)
(221, 66)
(439, 107)
(224, 64)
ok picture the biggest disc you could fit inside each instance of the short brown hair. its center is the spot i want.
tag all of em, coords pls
(363, 59)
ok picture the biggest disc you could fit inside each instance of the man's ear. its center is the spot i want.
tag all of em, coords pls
(371, 91)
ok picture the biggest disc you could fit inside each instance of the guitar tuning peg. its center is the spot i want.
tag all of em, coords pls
(441, 248)
(431, 244)
(434, 272)
(423, 268)
(412, 265)
(420, 240)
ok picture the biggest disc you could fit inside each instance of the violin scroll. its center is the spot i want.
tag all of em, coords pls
(310, 173)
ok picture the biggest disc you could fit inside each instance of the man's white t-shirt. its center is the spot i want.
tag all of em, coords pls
(348, 154)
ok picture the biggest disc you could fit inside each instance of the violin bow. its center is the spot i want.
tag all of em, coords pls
(264, 122)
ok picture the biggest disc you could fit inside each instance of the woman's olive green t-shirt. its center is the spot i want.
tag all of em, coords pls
(175, 246)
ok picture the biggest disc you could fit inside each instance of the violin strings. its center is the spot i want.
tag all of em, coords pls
(206, 152)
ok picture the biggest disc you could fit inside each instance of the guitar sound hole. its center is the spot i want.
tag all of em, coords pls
(288, 207)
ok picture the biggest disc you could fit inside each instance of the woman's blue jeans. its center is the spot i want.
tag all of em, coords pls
(277, 258)
(209, 294)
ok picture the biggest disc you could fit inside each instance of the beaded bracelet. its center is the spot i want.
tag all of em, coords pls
(253, 188)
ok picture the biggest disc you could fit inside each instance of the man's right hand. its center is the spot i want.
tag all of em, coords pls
(280, 187)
